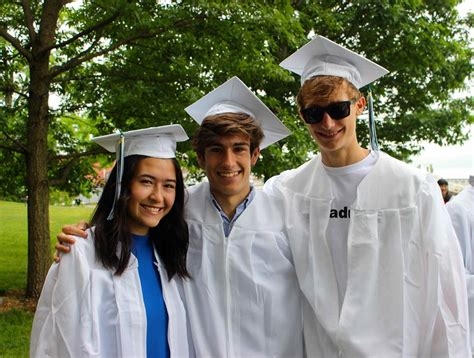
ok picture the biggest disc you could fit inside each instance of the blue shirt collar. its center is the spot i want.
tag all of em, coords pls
(229, 223)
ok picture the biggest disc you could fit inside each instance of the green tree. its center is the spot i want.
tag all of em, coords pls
(42, 41)
(425, 45)
(124, 64)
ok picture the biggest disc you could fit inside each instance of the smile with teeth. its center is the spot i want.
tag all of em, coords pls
(151, 209)
(229, 174)
(330, 134)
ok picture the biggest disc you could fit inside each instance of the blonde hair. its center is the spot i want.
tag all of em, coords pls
(320, 88)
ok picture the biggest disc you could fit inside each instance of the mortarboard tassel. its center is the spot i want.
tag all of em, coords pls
(372, 132)
(120, 163)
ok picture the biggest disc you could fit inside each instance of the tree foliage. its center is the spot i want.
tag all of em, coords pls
(184, 49)
(131, 64)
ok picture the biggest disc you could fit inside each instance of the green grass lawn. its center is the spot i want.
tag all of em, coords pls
(15, 327)
(14, 238)
(15, 324)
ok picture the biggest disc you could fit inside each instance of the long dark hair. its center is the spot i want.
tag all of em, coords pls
(112, 238)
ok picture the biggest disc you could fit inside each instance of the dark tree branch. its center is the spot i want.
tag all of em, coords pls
(10, 58)
(18, 146)
(13, 149)
(297, 4)
(87, 50)
(29, 20)
(77, 60)
(66, 169)
(48, 23)
(86, 32)
(15, 43)
(87, 153)
(3, 89)
(64, 174)
(77, 78)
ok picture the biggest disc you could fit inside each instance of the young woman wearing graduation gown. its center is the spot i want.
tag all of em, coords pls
(116, 294)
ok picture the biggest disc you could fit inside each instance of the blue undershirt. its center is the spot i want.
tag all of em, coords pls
(227, 223)
(156, 313)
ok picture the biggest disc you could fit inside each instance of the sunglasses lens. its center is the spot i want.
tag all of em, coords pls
(339, 110)
(313, 115)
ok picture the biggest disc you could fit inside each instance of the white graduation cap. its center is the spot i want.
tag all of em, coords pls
(234, 96)
(155, 142)
(322, 56)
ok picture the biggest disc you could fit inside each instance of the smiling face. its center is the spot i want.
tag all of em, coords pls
(337, 135)
(337, 139)
(228, 163)
(152, 194)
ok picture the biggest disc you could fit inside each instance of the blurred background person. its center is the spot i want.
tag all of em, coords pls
(444, 186)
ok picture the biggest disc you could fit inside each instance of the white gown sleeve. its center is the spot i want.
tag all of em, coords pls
(191, 349)
(272, 185)
(462, 216)
(461, 224)
(56, 328)
(445, 326)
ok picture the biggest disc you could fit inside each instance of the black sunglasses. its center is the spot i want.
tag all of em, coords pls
(338, 110)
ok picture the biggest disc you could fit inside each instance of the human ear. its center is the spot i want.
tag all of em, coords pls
(360, 105)
(254, 156)
(201, 160)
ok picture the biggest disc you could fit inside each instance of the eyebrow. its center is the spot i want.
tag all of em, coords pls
(234, 144)
(141, 176)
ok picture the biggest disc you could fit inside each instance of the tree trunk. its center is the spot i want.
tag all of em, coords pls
(39, 254)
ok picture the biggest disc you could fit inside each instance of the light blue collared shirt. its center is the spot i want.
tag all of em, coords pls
(229, 223)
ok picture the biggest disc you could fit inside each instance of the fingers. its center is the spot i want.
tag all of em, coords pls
(56, 257)
(76, 230)
(61, 248)
(65, 239)
(83, 225)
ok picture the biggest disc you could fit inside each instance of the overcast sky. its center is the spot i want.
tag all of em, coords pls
(451, 162)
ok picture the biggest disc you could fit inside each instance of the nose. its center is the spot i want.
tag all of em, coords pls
(228, 157)
(157, 194)
(327, 122)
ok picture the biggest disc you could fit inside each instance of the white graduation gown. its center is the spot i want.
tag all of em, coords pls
(406, 294)
(86, 311)
(243, 299)
(461, 210)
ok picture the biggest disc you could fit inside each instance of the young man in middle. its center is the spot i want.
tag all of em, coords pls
(244, 299)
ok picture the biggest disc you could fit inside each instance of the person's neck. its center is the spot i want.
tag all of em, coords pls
(229, 203)
(343, 158)
(140, 233)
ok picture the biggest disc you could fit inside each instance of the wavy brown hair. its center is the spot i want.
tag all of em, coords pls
(227, 124)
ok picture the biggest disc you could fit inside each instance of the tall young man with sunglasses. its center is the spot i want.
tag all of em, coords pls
(375, 254)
